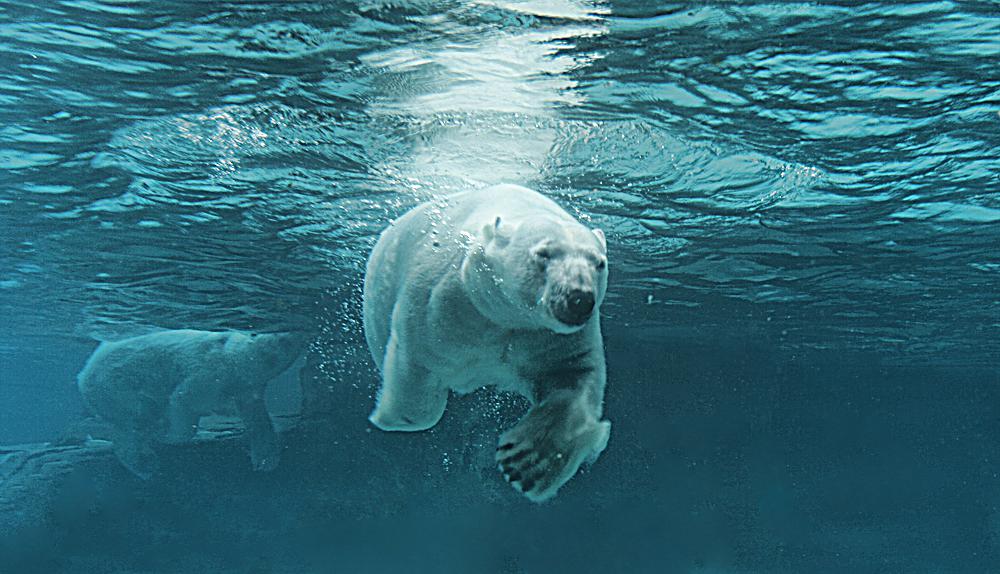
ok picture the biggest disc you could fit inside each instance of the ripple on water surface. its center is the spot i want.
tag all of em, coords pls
(827, 172)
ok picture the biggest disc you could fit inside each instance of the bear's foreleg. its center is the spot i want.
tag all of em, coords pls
(410, 399)
(135, 451)
(265, 447)
(181, 417)
(546, 447)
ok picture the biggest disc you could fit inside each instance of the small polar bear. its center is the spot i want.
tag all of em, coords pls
(156, 387)
(494, 287)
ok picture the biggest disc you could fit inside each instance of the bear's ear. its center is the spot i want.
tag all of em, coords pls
(493, 232)
(600, 237)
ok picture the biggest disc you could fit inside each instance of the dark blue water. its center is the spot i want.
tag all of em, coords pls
(802, 203)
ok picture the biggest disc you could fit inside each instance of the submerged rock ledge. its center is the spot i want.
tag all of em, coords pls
(38, 481)
(70, 506)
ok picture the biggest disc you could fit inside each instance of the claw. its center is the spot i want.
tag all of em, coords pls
(516, 456)
(543, 450)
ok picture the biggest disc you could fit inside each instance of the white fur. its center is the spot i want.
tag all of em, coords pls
(459, 294)
(156, 388)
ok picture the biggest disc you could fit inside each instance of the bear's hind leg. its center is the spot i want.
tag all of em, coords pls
(548, 445)
(410, 399)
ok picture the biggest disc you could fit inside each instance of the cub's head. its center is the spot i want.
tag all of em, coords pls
(267, 354)
(553, 271)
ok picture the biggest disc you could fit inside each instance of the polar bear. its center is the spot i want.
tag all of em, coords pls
(156, 387)
(494, 287)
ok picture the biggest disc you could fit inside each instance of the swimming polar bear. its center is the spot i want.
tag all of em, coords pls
(156, 387)
(494, 287)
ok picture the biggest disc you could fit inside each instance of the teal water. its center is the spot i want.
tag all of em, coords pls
(802, 203)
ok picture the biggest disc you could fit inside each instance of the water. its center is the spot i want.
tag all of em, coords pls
(802, 203)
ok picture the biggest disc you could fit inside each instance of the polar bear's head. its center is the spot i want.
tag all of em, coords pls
(266, 354)
(551, 270)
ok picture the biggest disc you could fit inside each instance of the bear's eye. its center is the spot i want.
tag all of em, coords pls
(543, 253)
(601, 264)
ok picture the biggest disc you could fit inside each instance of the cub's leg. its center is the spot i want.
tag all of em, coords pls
(410, 399)
(265, 448)
(181, 417)
(546, 447)
(135, 451)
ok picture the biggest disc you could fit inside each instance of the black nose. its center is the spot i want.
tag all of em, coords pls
(579, 306)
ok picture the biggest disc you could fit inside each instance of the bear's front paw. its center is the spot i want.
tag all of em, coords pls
(546, 448)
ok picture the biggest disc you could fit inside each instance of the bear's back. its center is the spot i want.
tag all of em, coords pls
(148, 367)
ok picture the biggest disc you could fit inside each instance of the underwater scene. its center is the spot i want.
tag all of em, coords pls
(499, 286)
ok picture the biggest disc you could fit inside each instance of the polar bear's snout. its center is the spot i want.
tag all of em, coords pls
(575, 307)
(572, 291)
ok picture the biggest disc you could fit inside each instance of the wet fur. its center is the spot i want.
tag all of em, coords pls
(453, 302)
(155, 388)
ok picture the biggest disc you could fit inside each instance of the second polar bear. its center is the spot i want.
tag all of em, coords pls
(494, 287)
(156, 387)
